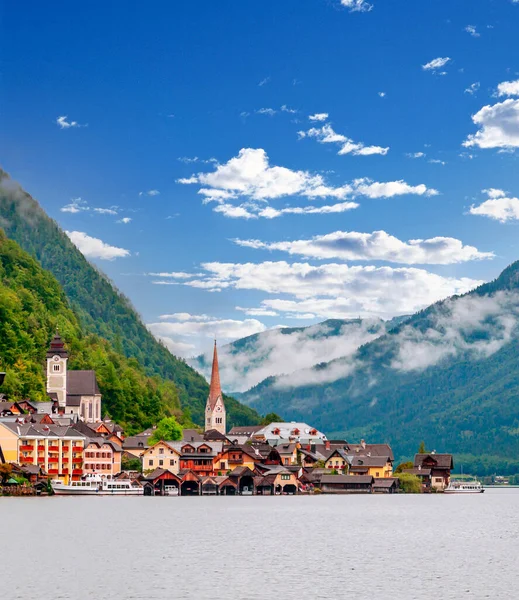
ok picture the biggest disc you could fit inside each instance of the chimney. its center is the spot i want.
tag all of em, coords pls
(327, 445)
(309, 448)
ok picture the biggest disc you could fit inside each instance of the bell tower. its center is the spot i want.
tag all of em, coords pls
(57, 357)
(215, 417)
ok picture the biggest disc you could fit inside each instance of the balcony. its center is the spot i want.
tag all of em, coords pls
(65, 471)
(26, 448)
(27, 460)
(208, 467)
(53, 448)
(77, 472)
(53, 471)
(53, 459)
(77, 448)
(235, 461)
(64, 459)
(41, 448)
(41, 460)
(77, 460)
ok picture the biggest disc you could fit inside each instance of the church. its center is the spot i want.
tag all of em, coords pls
(75, 392)
(215, 417)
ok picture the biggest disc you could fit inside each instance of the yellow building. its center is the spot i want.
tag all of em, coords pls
(376, 466)
(235, 456)
(338, 460)
(161, 456)
(58, 450)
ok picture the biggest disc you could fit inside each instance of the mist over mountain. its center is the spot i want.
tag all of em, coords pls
(248, 361)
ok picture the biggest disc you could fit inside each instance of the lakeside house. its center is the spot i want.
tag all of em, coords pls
(434, 470)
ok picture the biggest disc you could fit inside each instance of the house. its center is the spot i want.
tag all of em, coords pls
(160, 482)
(243, 478)
(376, 466)
(136, 444)
(102, 457)
(385, 485)
(338, 460)
(161, 455)
(76, 392)
(347, 484)
(240, 435)
(236, 456)
(288, 453)
(56, 449)
(279, 433)
(198, 457)
(277, 480)
(8, 409)
(433, 469)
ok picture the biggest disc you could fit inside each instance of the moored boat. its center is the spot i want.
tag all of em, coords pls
(464, 487)
(96, 485)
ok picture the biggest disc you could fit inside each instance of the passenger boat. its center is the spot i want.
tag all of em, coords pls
(96, 485)
(464, 487)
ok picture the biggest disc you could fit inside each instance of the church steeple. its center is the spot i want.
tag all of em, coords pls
(57, 358)
(215, 409)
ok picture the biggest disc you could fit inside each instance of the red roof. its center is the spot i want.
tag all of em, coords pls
(215, 390)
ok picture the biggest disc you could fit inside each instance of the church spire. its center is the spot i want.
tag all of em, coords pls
(215, 390)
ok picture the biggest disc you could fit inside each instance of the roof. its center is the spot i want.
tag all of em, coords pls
(82, 383)
(286, 448)
(73, 400)
(136, 441)
(245, 430)
(418, 471)
(159, 473)
(41, 430)
(192, 435)
(373, 449)
(443, 461)
(214, 434)
(342, 479)
(215, 389)
(368, 461)
(290, 431)
(57, 347)
(385, 482)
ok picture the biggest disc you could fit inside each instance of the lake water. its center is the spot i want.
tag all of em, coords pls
(360, 547)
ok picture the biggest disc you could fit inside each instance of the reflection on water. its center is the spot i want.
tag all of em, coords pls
(362, 547)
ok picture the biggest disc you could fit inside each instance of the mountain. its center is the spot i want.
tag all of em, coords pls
(247, 361)
(448, 375)
(100, 309)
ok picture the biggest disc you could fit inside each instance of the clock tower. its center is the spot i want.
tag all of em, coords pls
(215, 417)
(57, 357)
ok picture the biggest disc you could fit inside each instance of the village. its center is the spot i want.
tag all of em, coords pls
(66, 439)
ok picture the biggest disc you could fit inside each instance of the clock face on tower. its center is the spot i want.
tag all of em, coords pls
(218, 408)
(55, 358)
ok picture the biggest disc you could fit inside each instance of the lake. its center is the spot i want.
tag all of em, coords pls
(361, 547)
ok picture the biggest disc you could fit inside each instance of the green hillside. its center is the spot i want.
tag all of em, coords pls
(100, 309)
(466, 402)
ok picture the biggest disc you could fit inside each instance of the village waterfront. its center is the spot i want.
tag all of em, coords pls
(345, 546)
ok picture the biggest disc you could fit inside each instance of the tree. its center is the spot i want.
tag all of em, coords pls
(422, 449)
(271, 418)
(167, 430)
(131, 464)
(405, 465)
(410, 484)
(5, 472)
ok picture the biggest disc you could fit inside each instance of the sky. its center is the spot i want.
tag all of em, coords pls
(235, 167)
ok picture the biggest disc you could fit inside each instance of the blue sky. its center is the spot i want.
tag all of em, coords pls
(314, 125)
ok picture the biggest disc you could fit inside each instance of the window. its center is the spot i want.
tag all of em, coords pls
(55, 368)
(222, 466)
(286, 461)
(171, 462)
(150, 462)
(219, 419)
(161, 462)
(161, 450)
(285, 477)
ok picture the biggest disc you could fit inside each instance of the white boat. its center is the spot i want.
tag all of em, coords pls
(464, 487)
(96, 485)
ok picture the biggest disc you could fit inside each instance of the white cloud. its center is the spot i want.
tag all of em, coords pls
(266, 111)
(471, 29)
(257, 312)
(334, 289)
(150, 193)
(264, 81)
(250, 175)
(173, 275)
(499, 206)
(92, 247)
(382, 94)
(318, 117)
(379, 245)
(437, 161)
(435, 64)
(326, 135)
(75, 205)
(289, 110)
(196, 332)
(62, 123)
(125, 220)
(106, 211)
(473, 88)
(357, 5)
(415, 154)
(498, 126)
(508, 88)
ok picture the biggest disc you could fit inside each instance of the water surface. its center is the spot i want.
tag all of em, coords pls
(360, 547)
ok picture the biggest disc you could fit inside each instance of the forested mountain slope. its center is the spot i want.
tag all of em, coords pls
(99, 307)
